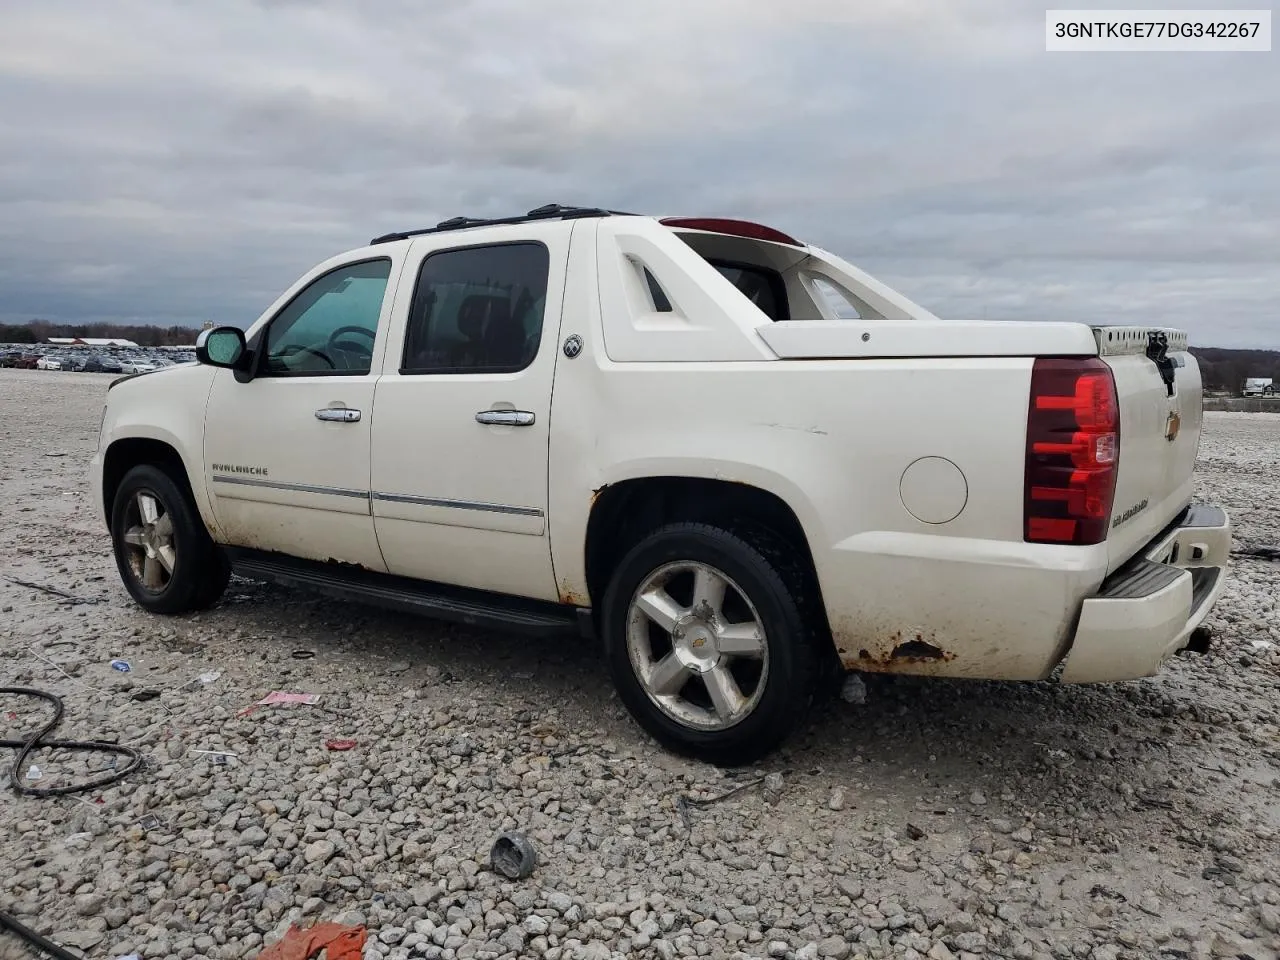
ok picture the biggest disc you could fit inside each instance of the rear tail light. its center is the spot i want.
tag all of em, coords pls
(1073, 442)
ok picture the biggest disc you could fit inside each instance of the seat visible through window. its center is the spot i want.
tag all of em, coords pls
(478, 309)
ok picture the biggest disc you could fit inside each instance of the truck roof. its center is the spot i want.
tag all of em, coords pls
(556, 211)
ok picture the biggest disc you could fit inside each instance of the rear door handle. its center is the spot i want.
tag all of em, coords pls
(506, 418)
(338, 414)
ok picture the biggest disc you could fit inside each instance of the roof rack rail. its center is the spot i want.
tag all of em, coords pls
(551, 211)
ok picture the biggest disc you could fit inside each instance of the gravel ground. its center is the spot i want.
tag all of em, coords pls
(938, 819)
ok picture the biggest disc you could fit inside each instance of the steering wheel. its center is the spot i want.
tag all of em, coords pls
(363, 331)
(299, 348)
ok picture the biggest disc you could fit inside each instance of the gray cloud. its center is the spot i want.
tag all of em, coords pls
(178, 161)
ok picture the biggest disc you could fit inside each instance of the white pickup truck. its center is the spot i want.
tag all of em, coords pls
(738, 460)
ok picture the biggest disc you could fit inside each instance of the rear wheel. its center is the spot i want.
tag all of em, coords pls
(167, 560)
(707, 643)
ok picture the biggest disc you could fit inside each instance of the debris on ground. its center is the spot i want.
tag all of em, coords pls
(276, 697)
(339, 744)
(39, 740)
(683, 802)
(336, 941)
(773, 787)
(279, 696)
(1258, 553)
(854, 690)
(513, 855)
(69, 598)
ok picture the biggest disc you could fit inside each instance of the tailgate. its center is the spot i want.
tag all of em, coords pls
(1159, 391)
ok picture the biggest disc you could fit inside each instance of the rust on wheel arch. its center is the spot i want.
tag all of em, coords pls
(570, 596)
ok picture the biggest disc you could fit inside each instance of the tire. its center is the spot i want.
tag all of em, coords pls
(168, 566)
(771, 693)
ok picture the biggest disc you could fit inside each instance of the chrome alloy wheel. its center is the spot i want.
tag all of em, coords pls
(148, 541)
(697, 645)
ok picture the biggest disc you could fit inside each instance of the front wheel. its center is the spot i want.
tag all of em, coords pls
(707, 643)
(167, 560)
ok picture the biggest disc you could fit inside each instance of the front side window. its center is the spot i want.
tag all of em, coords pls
(330, 327)
(477, 310)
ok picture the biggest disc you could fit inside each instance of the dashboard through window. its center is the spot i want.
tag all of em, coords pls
(330, 327)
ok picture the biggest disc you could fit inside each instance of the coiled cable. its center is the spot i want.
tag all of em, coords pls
(37, 741)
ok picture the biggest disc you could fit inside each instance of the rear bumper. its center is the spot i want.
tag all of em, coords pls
(1146, 611)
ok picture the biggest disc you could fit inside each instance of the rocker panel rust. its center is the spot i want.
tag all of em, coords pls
(901, 654)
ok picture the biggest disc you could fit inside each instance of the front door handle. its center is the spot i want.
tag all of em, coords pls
(338, 414)
(506, 418)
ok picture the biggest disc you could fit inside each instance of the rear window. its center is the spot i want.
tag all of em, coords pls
(760, 285)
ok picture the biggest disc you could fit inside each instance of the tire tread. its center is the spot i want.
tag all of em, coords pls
(768, 561)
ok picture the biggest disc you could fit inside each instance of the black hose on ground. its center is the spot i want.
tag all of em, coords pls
(37, 941)
(37, 741)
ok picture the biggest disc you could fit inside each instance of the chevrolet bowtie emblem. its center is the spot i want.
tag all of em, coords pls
(1171, 427)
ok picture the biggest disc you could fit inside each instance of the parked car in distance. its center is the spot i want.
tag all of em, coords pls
(137, 366)
(49, 363)
(663, 433)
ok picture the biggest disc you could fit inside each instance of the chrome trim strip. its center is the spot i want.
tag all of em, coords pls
(458, 504)
(297, 487)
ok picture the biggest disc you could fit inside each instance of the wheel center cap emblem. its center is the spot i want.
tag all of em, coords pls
(699, 642)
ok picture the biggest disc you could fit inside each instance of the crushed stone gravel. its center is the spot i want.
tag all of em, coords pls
(938, 820)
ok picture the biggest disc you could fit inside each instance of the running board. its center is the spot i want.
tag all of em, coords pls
(439, 601)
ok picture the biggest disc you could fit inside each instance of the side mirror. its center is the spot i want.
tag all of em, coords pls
(221, 347)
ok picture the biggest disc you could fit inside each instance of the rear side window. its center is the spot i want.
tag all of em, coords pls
(836, 298)
(659, 296)
(477, 310)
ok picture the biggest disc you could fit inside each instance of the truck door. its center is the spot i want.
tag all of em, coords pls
(287, 453)
(462, 411)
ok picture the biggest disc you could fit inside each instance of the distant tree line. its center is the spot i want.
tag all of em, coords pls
(39, 331)
(1227, 369)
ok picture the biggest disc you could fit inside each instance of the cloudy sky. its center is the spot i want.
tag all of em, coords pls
(176, 160)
